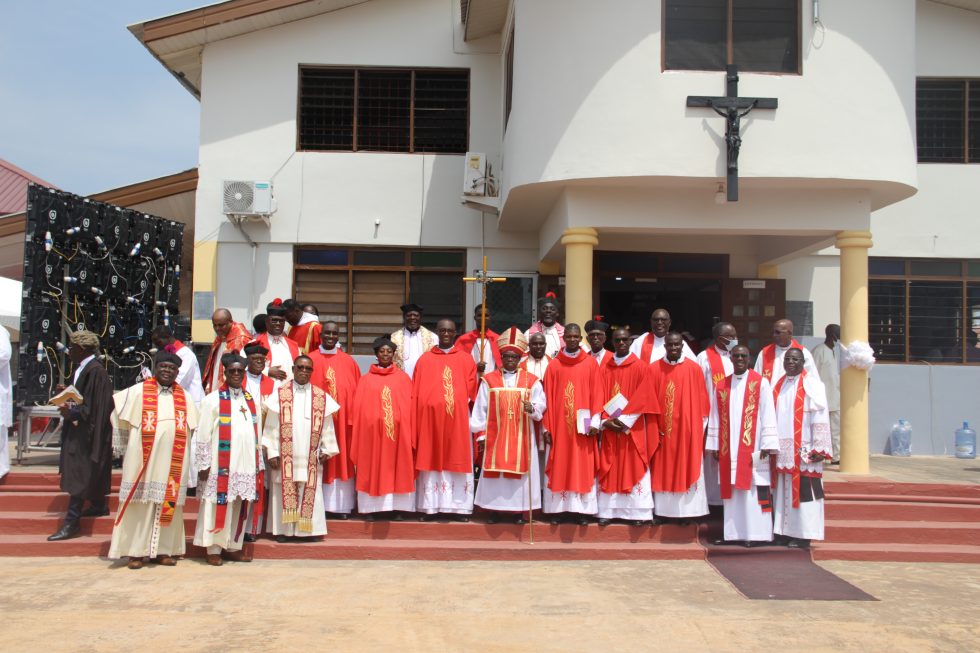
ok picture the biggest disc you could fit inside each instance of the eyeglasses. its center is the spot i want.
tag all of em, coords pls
(621, 339)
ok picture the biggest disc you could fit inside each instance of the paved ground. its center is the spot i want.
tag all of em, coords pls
(916, 469)
(77, 604)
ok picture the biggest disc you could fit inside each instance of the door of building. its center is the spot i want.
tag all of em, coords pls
(752, 305)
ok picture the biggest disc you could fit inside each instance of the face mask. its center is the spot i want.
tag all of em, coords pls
(732, 344)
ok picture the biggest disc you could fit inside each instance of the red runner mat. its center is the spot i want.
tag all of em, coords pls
(776, 573)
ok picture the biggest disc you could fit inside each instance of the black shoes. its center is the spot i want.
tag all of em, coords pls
(797, 543)
(604, 522)
(67, 531)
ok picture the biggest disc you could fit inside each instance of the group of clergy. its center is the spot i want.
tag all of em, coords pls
(288, 431)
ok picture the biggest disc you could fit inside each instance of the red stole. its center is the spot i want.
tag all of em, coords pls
(716, 365)
(306, 336)
(797, 431)
(224, 462)
(508, 426)
(647, 347)
(769, 358)
(469, 340)
(148, 430)
(263, 339)
(266, 385)
(238, 336)
(746, 443)
(292, 512)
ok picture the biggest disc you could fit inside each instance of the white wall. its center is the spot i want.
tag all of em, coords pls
(591, 101)
(947, 41)
(248, 131)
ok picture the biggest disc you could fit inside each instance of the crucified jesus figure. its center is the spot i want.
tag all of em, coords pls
(733, 138)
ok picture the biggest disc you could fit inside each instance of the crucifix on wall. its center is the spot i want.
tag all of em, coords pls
(732, 108)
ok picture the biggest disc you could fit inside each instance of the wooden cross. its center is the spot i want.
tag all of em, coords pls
(732, 108)
(484, 280)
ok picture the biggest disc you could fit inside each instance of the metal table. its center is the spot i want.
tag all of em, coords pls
(50, 438)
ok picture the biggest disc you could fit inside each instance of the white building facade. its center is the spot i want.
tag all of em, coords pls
(606, 183)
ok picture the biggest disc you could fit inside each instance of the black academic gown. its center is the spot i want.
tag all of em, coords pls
(86, 449)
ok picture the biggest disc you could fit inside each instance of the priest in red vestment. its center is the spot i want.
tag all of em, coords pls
(304, 328)
(229, 337)
(336, 372)
(629, 436)
(444, 384)
(678, 465)
(382, 427)
(282, 350)
(473, 344)
(573, 392)
(769, 363)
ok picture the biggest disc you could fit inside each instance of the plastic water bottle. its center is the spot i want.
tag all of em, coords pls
(900, 441)
(966, 442)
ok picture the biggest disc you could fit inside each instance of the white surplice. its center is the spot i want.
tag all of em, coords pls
(807, 520)
(827, 362)
(502, 493)
(778, 371)
(710, 470)
(189, 374)
(659, 349)
(139, 534)
(553, 341)
(279, 355)
(744, 519)
(242, 470)
(217, 375)
(302, 432)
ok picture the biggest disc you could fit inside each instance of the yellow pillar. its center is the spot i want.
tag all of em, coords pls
(579, 243)
(205, 281)
(853, 246)
(766, 271)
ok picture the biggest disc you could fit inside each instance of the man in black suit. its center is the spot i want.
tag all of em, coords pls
(86, 437)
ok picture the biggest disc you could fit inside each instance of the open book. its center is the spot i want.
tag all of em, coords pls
(68, 394)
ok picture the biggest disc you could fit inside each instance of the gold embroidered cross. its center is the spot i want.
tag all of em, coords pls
(510, 411)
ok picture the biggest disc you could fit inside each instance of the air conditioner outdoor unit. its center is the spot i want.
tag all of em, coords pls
(475, 174)
(247, 198)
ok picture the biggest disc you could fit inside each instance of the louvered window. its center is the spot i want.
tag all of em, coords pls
(384, 110)
(947, 113)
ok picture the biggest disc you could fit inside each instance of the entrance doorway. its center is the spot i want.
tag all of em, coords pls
(633, 284)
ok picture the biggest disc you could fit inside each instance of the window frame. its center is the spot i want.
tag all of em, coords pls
(963, 279)
(967, 82)
(730, 44)
(411, 110)
(406, 268)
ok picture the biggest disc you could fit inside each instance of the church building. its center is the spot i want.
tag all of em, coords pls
(738, 160)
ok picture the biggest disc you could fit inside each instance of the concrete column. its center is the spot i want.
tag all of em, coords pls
(765, 271)
(853, 246)
(205, 281)
(579, 243)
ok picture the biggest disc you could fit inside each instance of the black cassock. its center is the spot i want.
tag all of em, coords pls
(86, 448)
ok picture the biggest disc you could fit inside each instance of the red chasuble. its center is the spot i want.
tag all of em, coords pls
(306, 336)
(509, 428)
(768, 355)
(570, 385)
(625, 457)
(337, 374)
(468, 341)
(444, 384)
(382, 425)
(238, 336)
(684, 404)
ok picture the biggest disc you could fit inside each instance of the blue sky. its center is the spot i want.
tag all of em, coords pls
(83, 104)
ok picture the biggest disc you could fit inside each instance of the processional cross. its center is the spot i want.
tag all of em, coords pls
(732, 108)
(484, 280)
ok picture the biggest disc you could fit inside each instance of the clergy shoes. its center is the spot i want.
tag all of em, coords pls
(67, 531)
(797, 543)
(582, 520)
(214, 559)
(492, 518)
(601, 522)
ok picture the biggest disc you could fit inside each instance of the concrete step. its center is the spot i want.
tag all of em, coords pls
(57, 502)
(868, 510)
(924, 533)
(335, 548)
(834, 489)
(877, 552)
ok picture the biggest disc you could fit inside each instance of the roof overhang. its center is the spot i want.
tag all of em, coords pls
(969, 5)
(176, 41)
(483, 17)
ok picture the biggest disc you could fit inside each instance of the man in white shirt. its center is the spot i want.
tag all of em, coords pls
(189, 376)
(827, 362)
(412, 340)
(650, 347)
(595, 333)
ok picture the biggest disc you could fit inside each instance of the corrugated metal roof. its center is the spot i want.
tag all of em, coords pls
(13, 187)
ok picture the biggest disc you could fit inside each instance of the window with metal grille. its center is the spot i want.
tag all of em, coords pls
(947, 115)
(922, 310)
(757, 35)
(362, 288)
(383, 110)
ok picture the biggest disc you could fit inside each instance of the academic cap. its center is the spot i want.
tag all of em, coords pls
(410, 307)
(166, 357)
(255, 348)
